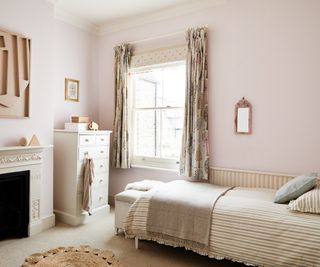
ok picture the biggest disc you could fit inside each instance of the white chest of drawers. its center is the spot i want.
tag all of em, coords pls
(70, 151)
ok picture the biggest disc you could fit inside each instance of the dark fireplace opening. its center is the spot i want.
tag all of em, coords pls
(14, 204)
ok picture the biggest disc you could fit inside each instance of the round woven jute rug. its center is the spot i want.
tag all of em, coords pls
(82, 256)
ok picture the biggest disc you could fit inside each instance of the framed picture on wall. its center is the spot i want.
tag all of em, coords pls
(71, 90)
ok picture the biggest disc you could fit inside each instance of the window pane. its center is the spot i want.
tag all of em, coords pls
(145, 91)
(174, 86)
(158, 132)
(160, 87)
(147, 129)
(172, 124)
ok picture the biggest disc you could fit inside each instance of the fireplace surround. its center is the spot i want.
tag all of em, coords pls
(27, 159)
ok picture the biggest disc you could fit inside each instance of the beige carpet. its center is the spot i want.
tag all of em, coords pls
(100, 234)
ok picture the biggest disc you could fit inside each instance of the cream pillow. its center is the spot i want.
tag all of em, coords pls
(308, 202)
(144, 185)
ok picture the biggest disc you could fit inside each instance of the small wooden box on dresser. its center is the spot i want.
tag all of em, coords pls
(70, 151)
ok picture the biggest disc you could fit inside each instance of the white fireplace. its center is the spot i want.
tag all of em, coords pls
(17, 159)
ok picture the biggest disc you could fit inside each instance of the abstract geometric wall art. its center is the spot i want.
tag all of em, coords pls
(14, 75)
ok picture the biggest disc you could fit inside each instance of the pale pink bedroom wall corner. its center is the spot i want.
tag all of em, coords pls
(34, 19)
(75, 57)
(267, 51)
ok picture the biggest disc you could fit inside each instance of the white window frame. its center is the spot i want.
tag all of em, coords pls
(143, 161)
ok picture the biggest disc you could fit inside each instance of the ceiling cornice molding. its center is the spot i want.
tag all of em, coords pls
(75, 20)
(134, 21)
(157, 16)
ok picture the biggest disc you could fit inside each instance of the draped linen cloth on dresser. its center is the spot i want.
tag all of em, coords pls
(87, 182)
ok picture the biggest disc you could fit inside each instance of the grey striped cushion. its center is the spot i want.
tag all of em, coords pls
(308, 202)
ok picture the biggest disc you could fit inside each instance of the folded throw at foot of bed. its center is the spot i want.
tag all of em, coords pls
(182, 209)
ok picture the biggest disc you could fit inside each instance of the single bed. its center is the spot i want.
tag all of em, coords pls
(247, 227)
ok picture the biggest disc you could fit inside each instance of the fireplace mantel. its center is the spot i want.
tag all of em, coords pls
(22, 148)
(20, 155)
(22, 158)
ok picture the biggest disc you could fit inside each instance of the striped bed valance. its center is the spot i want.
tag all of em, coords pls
(164, 55)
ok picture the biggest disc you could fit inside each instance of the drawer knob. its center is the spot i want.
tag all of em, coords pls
(100, 181)
(102, 139)
(101, 197)
(87, 140)
(101, 151)
(101, 166)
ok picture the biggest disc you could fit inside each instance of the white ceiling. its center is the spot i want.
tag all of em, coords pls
(101, 16)
(101, 12)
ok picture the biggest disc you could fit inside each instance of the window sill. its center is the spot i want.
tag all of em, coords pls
(154, 168)
(155, 164)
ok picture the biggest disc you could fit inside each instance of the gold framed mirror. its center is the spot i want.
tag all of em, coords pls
(243, 117)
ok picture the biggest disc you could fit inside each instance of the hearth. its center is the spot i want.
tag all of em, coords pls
(14, 204)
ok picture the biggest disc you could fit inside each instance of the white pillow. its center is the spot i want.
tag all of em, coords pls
(144, 185)
(308, 202)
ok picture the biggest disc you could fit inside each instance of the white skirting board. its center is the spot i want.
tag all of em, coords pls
(83, 218)
(245, 178)
(41, 225)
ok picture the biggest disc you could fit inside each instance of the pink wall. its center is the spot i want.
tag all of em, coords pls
(267, 51)
(75, 57)
(58, 50)
(34, 18)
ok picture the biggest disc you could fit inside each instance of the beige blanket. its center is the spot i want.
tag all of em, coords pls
(182, 209)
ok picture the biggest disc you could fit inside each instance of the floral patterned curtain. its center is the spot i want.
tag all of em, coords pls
(194, 161)
(120, 137)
